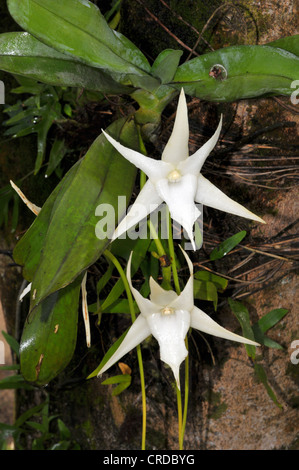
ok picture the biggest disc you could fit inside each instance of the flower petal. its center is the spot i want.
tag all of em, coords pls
(138, 332)
(211, 196)
(159, 295)
(170, 332)
(154, 169)
(145, 305)
(176, 149)
(185, 300)
(146, 202)
(203, 322)
(179, 197)
(195, 162)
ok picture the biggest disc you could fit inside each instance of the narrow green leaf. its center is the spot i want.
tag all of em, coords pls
(265, 323)
(57, 153)
(262, 376)
(12, 342)
(117, 379)
(270, 319)
(14, 382)
(220, 282)
(227, 245)
(242, 315)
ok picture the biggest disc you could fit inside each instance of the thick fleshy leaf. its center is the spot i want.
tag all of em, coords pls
(27, 252)
(77, 28)
(73, 240)
(238, 72)
(289, 43)
(22, 54)
(49, 336)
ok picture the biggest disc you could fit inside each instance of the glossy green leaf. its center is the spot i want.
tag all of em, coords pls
(225, 247)
(27, 252)
(77, 28)
(49, 336)
(71, 243)
(245, 72)
(22, 54)
(242, 315)
(166, 64)
(289, 43)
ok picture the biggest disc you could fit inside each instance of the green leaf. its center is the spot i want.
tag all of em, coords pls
(14, 382)
(226, 246)
(12, 342)
(206, 290)
(49, 336)
(220, 282)
(77, 28)
(262, 376)
(57, 153)
(247, 71)
(166, 65)
(23, 55)
(242, 315)
(265, 323)
(289, 43)
(123, 382)
(71, 244)
(270, 319)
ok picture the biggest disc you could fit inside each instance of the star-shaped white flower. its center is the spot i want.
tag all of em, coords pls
(176, 179)
(168, 317)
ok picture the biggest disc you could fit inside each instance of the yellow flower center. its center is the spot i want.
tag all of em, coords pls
(174, 176)
(167, 311)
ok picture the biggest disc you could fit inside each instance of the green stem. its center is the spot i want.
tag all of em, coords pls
(119, 268)
(181, 419)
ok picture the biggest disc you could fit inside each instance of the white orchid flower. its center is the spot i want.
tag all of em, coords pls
(168, 317)
(176, 179)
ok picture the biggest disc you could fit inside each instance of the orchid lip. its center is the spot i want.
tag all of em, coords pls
(167, 311)
(174, 176)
